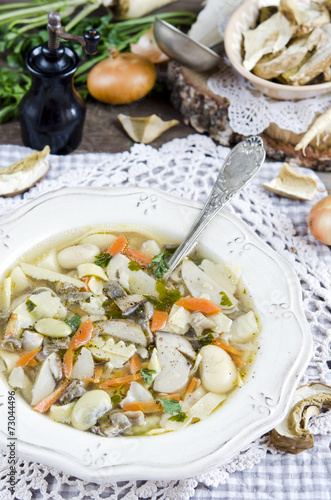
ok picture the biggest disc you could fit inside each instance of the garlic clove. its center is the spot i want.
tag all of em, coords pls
(24, 174)
(145, 129)
(292, 184)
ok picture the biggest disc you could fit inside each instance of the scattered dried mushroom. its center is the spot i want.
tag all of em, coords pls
(24, 174)
(292, 434)
(291, 43)
(292, 184)
(145, 129)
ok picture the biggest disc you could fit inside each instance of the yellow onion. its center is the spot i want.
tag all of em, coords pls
(319, 220)
(121, 78)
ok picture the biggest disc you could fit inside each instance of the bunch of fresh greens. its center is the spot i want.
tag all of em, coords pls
(20, 32)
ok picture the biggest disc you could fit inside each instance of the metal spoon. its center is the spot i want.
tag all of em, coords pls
(239, 167)
(184, 49)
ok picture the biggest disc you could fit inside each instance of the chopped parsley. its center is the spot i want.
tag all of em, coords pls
(180, 417)
(167, 296)
(159, 265)
(74, 322)
(134, 266)
(206, 339)
(147, 375)
(225, 301)
(102, 259)
(118, 395)
(111, 310)
(170, 406)
(30, 305)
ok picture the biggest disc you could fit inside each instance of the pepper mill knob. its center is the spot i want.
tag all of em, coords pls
(92, 39)
(56, 31)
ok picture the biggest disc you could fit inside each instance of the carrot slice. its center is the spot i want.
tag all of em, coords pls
(32, 362)
(144, 406)
(203, 305)
(86, 282)
(237, 359)
(226, 347)
(118, 245)
(97, 374)
(28, 356)
(47, 402)
(135, 363)
(12, 326)
(67, 363)
(83, 334)
(172, 396)
(192, 386)
(159, 320)
(114, 382)
(140, 257)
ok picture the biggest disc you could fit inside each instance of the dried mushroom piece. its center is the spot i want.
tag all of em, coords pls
(145, 129)
(269, 37)
(292, 184)
(24, 174)
(321, 128)
(292, 435)
(317, 64)
(272, 65)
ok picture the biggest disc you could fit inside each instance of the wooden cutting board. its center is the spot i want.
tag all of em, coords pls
(207, 113)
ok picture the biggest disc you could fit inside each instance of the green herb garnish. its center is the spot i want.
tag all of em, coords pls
(206, 339)
(170, 406)
(167, 296)
(30, 305)
(102, 259)
(112, 310)
(180, 417)
(159, 265)
(147, 375)
(225, 301)
(74, 322)
(118, 395)
(134, 266)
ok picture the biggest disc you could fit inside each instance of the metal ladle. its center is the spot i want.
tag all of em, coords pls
(184, 49)
(239, 167)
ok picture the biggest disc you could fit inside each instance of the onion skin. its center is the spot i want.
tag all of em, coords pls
(121, 78)
(319, 220)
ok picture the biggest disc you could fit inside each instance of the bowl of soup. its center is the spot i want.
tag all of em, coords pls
(113, 373)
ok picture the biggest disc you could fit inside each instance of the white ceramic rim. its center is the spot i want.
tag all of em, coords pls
(243, 18)
(285, 342)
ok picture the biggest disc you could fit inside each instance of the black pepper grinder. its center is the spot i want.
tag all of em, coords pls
(52, 112)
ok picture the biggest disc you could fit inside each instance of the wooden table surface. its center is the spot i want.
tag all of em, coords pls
(102, 130)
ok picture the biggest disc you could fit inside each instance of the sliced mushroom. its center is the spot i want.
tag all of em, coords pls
(292, 434)
(123, 329)
(11, 343)
(127, 303)
(145, 129)
(200, 322)
(84, 366)
(55, 365)
(54, 345)
(135, 417)
(91, 406)
(173, 351)
(137, 392)
(120, 423)
(74, 390)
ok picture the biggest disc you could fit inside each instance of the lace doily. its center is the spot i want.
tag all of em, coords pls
(188, 168)
(251, 112)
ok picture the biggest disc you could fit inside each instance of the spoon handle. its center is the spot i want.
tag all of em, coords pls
(239, 167)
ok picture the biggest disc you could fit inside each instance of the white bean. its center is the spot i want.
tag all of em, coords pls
(217, 370)
(53, 327)
(91, 406)
(71, 257)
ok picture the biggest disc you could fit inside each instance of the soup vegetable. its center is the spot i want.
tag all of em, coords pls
(92, 336)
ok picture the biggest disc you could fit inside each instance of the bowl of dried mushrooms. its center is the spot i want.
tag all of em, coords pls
(283, 48)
